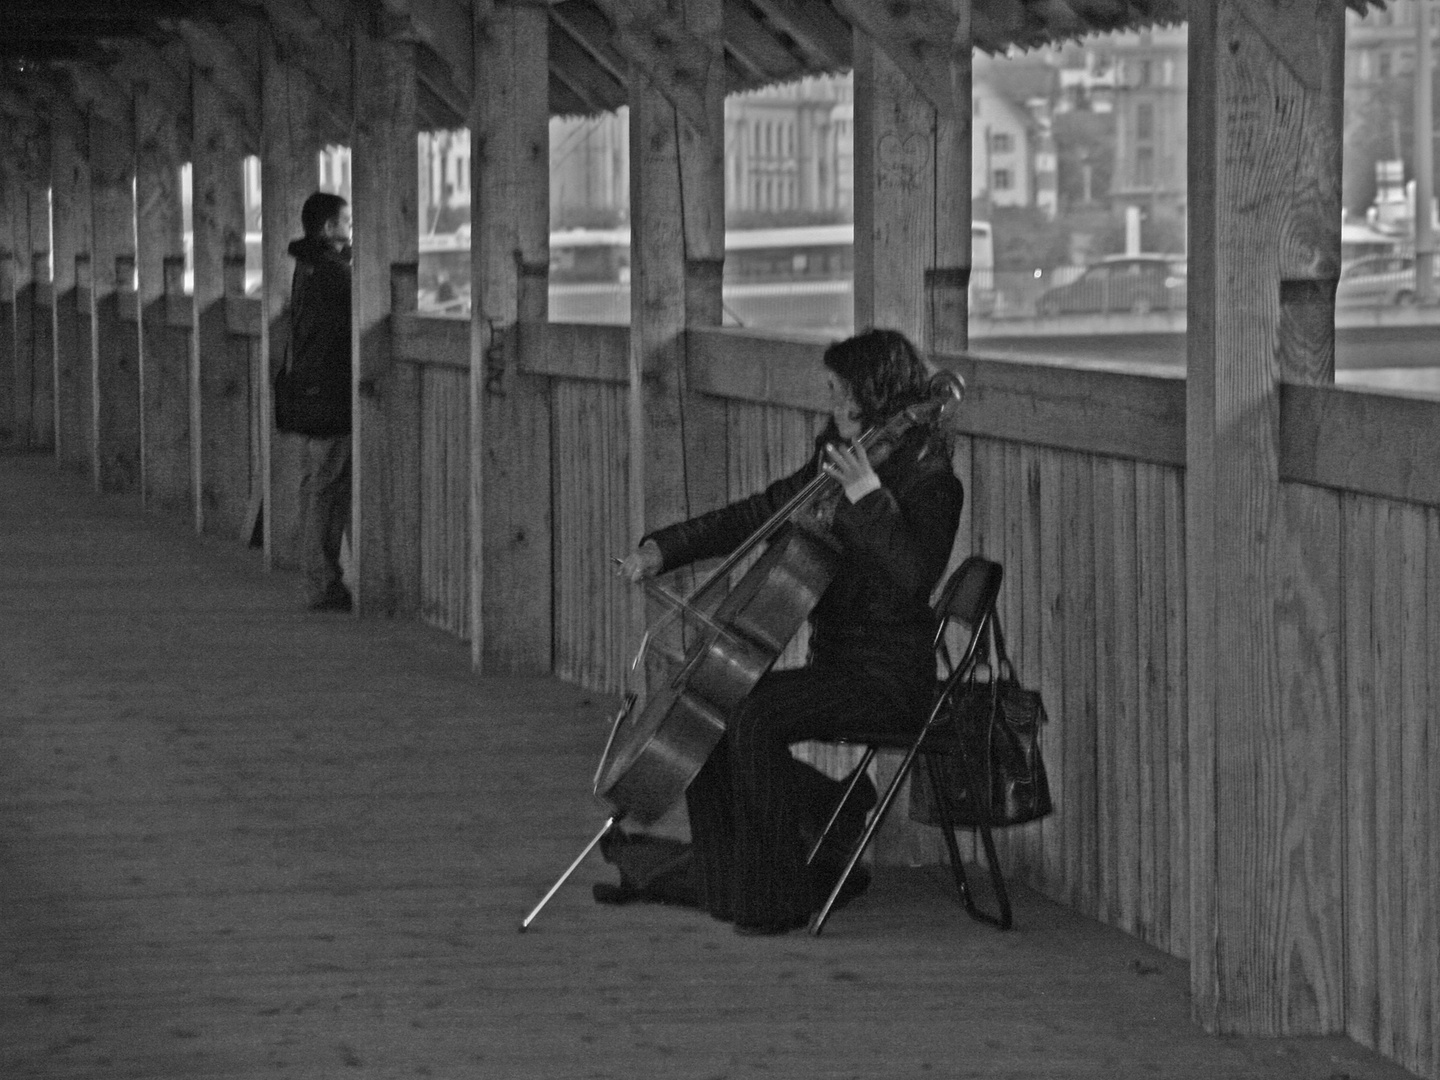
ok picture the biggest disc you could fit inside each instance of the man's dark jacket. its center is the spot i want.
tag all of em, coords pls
(320, 324)
(895, 543)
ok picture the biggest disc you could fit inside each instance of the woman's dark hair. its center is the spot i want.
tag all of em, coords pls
(883, 372)
(320, 208)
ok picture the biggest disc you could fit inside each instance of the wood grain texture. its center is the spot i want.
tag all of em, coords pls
(70, 210)
(444, 511)
(165, 458)
(222, 360)
(318, 872)
(593, 641)
(510, 438)
(386, 239)
(1376, 444)
(288, 174)
(1265, 938)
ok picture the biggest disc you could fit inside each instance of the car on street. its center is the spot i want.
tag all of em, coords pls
(1379, 281)
(1134, 284)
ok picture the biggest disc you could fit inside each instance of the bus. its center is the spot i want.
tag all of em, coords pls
(794, 277)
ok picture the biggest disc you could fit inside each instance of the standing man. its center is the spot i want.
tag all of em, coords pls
(320, 373)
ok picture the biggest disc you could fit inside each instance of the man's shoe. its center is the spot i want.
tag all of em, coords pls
(335, 601)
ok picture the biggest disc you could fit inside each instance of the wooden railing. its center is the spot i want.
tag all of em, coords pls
(1075, 482)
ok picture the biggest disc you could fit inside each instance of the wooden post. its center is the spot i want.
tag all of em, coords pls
(37, 386)
(912, 170)
(222, 361)
(117, 333)
(71, 219)
(165, 458)
(677, 438)
(1262, 558)
(511, 573)
(8, 201)
(387, 233)
(288, 175)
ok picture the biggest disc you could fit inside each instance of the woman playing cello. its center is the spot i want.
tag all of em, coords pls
(753, 805)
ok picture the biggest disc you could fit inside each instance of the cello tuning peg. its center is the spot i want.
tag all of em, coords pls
(947, 384)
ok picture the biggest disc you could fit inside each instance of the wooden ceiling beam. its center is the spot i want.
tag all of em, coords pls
(665, 49)
(814, 27)
(594, 86)
(95, 91)
(756, 49)
(307, 41)
(443, 101)
(218, 57)
(921, 38)
(446, 28)
(588, 29)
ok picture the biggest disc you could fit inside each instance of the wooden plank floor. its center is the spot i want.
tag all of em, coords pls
(240, 840)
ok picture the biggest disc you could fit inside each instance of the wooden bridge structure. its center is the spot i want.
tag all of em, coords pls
(1227, 585)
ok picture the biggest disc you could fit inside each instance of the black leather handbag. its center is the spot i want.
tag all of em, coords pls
(991, 773)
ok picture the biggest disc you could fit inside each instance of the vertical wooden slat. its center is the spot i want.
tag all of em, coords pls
(1128, 808)
(1051, 673)
(1388, 603)
(1361, 853)
(1417, 882)
(1081, 838)
(1431, 948)
(1153, 858)
(1177, 698)
(1107, 695)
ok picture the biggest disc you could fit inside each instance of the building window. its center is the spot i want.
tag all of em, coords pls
(1383, 65)
(1145, 166)
(1145, 121)
(1002, 180)
(1002, 142)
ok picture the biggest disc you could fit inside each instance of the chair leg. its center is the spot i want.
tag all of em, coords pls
(856, 774)
(1004, 920)
(817, 923)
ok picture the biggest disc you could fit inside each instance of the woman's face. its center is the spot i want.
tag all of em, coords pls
(842, 406)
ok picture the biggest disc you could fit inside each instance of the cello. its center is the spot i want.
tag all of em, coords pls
(654, 752)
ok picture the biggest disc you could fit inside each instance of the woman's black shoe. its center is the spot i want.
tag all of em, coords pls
(771, 929)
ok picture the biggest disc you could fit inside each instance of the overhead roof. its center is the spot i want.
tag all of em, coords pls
(766, 41)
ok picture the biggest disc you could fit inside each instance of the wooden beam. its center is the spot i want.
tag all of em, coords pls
(595, 85)
(444, 29)
(756, 47)
(1348, 440)
(922, 38)
(222, 361)
(289, 141)
(815, 27)
(117, 341)
(9, 201)
(233, 72)
(677, 60)
(72, 223)
(162, 146)
(677, 437)
(1263, 559)
(384, 533)
(511, 564)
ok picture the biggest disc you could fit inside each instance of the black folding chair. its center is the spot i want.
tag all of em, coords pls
(967, 600)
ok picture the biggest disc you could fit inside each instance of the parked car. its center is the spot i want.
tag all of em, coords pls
(1379, 280)
(1130, 283)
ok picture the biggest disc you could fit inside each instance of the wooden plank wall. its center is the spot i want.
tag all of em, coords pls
(1391, 712)
(1093, 608)
(444, 498)
(1094, 604)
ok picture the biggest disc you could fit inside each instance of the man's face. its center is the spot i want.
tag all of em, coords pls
(337, 229)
